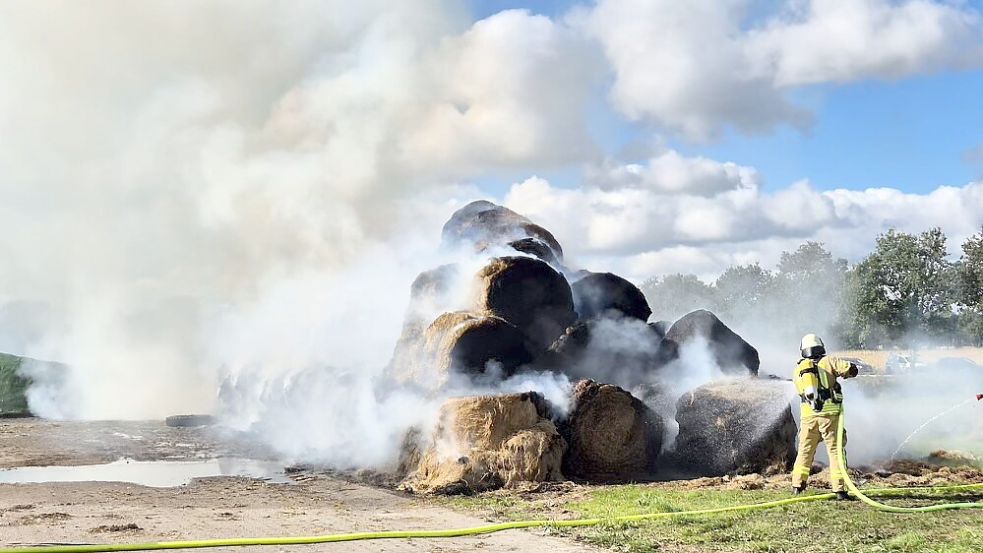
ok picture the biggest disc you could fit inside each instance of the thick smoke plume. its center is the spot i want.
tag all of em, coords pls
(213, 198)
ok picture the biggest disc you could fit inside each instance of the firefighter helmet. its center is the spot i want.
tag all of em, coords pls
(812, 346)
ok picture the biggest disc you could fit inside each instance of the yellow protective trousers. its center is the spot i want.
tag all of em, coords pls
(814, 429)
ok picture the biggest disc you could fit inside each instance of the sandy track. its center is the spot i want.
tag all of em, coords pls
(93, 512)
(228, 507)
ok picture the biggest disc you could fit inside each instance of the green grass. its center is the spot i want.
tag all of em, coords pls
(816, 527)
(12, 386)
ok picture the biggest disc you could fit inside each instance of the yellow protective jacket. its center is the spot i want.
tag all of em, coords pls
(815, 382)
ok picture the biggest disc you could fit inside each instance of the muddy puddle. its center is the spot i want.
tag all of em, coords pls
(157, 474)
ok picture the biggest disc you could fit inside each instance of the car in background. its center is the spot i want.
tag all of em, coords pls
(862, 366)
(900, 363)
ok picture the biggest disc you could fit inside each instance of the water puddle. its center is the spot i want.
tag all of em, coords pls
(156, 474)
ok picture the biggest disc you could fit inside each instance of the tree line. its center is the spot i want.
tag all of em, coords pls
(906, 292)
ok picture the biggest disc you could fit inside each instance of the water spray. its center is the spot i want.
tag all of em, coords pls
(932, 419)
(840, 434)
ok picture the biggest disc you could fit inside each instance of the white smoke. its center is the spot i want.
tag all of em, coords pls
(218, 197)
(168, 169)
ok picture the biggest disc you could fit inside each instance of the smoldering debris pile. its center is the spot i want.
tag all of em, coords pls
(525, 311)
(486, 442)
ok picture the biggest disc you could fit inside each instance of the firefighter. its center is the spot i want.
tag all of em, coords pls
(815, 380)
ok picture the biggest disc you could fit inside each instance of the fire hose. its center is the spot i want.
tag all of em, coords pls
(864, 496)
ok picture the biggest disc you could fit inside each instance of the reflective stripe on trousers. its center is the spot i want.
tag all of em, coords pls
(816, 429)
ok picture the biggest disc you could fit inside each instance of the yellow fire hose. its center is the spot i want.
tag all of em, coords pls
(491, 528)
(840, 430)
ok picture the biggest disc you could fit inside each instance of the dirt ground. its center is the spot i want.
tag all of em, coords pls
(315, 502)
(98, 512)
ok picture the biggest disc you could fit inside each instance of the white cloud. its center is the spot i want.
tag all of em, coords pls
(698, 66)
(683, 65)
(645, 232)
(835, 41)
(511, 90)
(669, 172)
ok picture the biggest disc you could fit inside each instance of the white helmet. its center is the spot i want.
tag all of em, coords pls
(812, 346)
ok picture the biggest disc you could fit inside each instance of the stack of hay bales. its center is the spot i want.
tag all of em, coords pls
(516, 308)
(488, 442)
(520, 311)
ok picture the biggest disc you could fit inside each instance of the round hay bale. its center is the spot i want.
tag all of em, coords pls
(612, 436)
(463, 343)
(485, 224)
(486, 442)
(731, 353)
(467, 343)
(527, 293)
(735, 426)
(608, 295)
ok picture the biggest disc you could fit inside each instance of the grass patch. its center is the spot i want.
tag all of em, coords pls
(825, 526)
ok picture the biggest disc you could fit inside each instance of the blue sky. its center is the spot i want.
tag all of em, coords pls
(912, 134)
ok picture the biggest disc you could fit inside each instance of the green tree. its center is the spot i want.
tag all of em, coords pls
(810, 293)
(969, 281)
(743, 291)
(673, 296)
(903, 289)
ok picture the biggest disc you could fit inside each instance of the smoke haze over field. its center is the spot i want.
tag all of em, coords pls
(222, 197)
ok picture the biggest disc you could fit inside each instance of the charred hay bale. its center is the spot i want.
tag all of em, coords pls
(485, 224)
(619, 351)
(487, 442)
(527, 293)
(729, 350)
(735, 426)
(612, 436)
(461, 342)
(608, 295)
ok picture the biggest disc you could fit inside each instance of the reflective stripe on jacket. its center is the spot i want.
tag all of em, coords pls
(816, 379)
